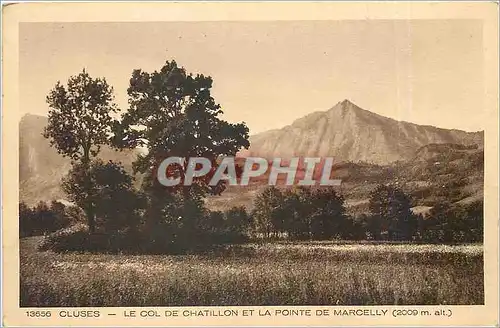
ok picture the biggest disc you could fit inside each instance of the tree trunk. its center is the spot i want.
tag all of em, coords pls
(89, 208)
(91, 218)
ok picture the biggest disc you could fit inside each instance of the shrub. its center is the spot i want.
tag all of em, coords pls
(112, 202)
(42, 219)
(455, 223)
(68, 239)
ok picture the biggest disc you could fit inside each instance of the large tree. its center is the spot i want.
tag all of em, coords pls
(172, 113)
(391, 209)
(79, 123)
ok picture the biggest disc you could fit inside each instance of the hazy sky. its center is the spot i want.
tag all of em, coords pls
(270, 73)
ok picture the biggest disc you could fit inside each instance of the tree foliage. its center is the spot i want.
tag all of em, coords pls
(172, 113)
(268, 213)
(300, 213)
(112, 196)
(43, 218)
(80, 116)
(298, 209)
(391, 212)
(329, 215)
(453, 223)
(79, 123)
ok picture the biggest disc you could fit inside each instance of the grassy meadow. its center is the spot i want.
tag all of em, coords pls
(279, 273)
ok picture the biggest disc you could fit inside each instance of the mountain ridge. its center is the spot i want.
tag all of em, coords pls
(361, 136)
(347, 101)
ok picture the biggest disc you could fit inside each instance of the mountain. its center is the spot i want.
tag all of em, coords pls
(366, 146)
(349, 133)
(41, 167)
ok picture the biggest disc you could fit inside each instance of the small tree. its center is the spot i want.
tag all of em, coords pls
(42, 217)
(475, 221)
(268, 214)
(454, 223)
(359, 227)
(79, 122)
(328, 219)
(116, 204)
(237, 220)
(391, 208)
(25, 220)
(298, 209)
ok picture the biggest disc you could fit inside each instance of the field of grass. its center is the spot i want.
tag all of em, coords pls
(319, 273)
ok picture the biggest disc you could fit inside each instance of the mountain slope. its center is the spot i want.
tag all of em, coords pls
(41, 168)
(350, 133)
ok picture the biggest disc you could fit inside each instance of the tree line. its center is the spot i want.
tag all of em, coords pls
(293, 214)
(320, 214)
(44, 218)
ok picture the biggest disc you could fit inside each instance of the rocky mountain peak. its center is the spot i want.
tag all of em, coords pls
(349, 133)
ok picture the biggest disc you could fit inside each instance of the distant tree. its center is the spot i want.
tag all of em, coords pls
(455, 223)
(220, 227)
(475, 221)
(25, 219)
(79, 122)
(298, 209)
(268, 213)
(432, 226)
(43, 217)
(359, 227)
(237, 220)
(374, 226)
(391, 209)
(329, 217)
(48, 219)
(59, 215)
(59, 210)
(24, 209)
(421, 225)
(216, 222)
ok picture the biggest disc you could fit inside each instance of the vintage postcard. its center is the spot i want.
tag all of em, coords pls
(250, 164)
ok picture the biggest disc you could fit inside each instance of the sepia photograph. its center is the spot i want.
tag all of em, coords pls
(240, 163)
